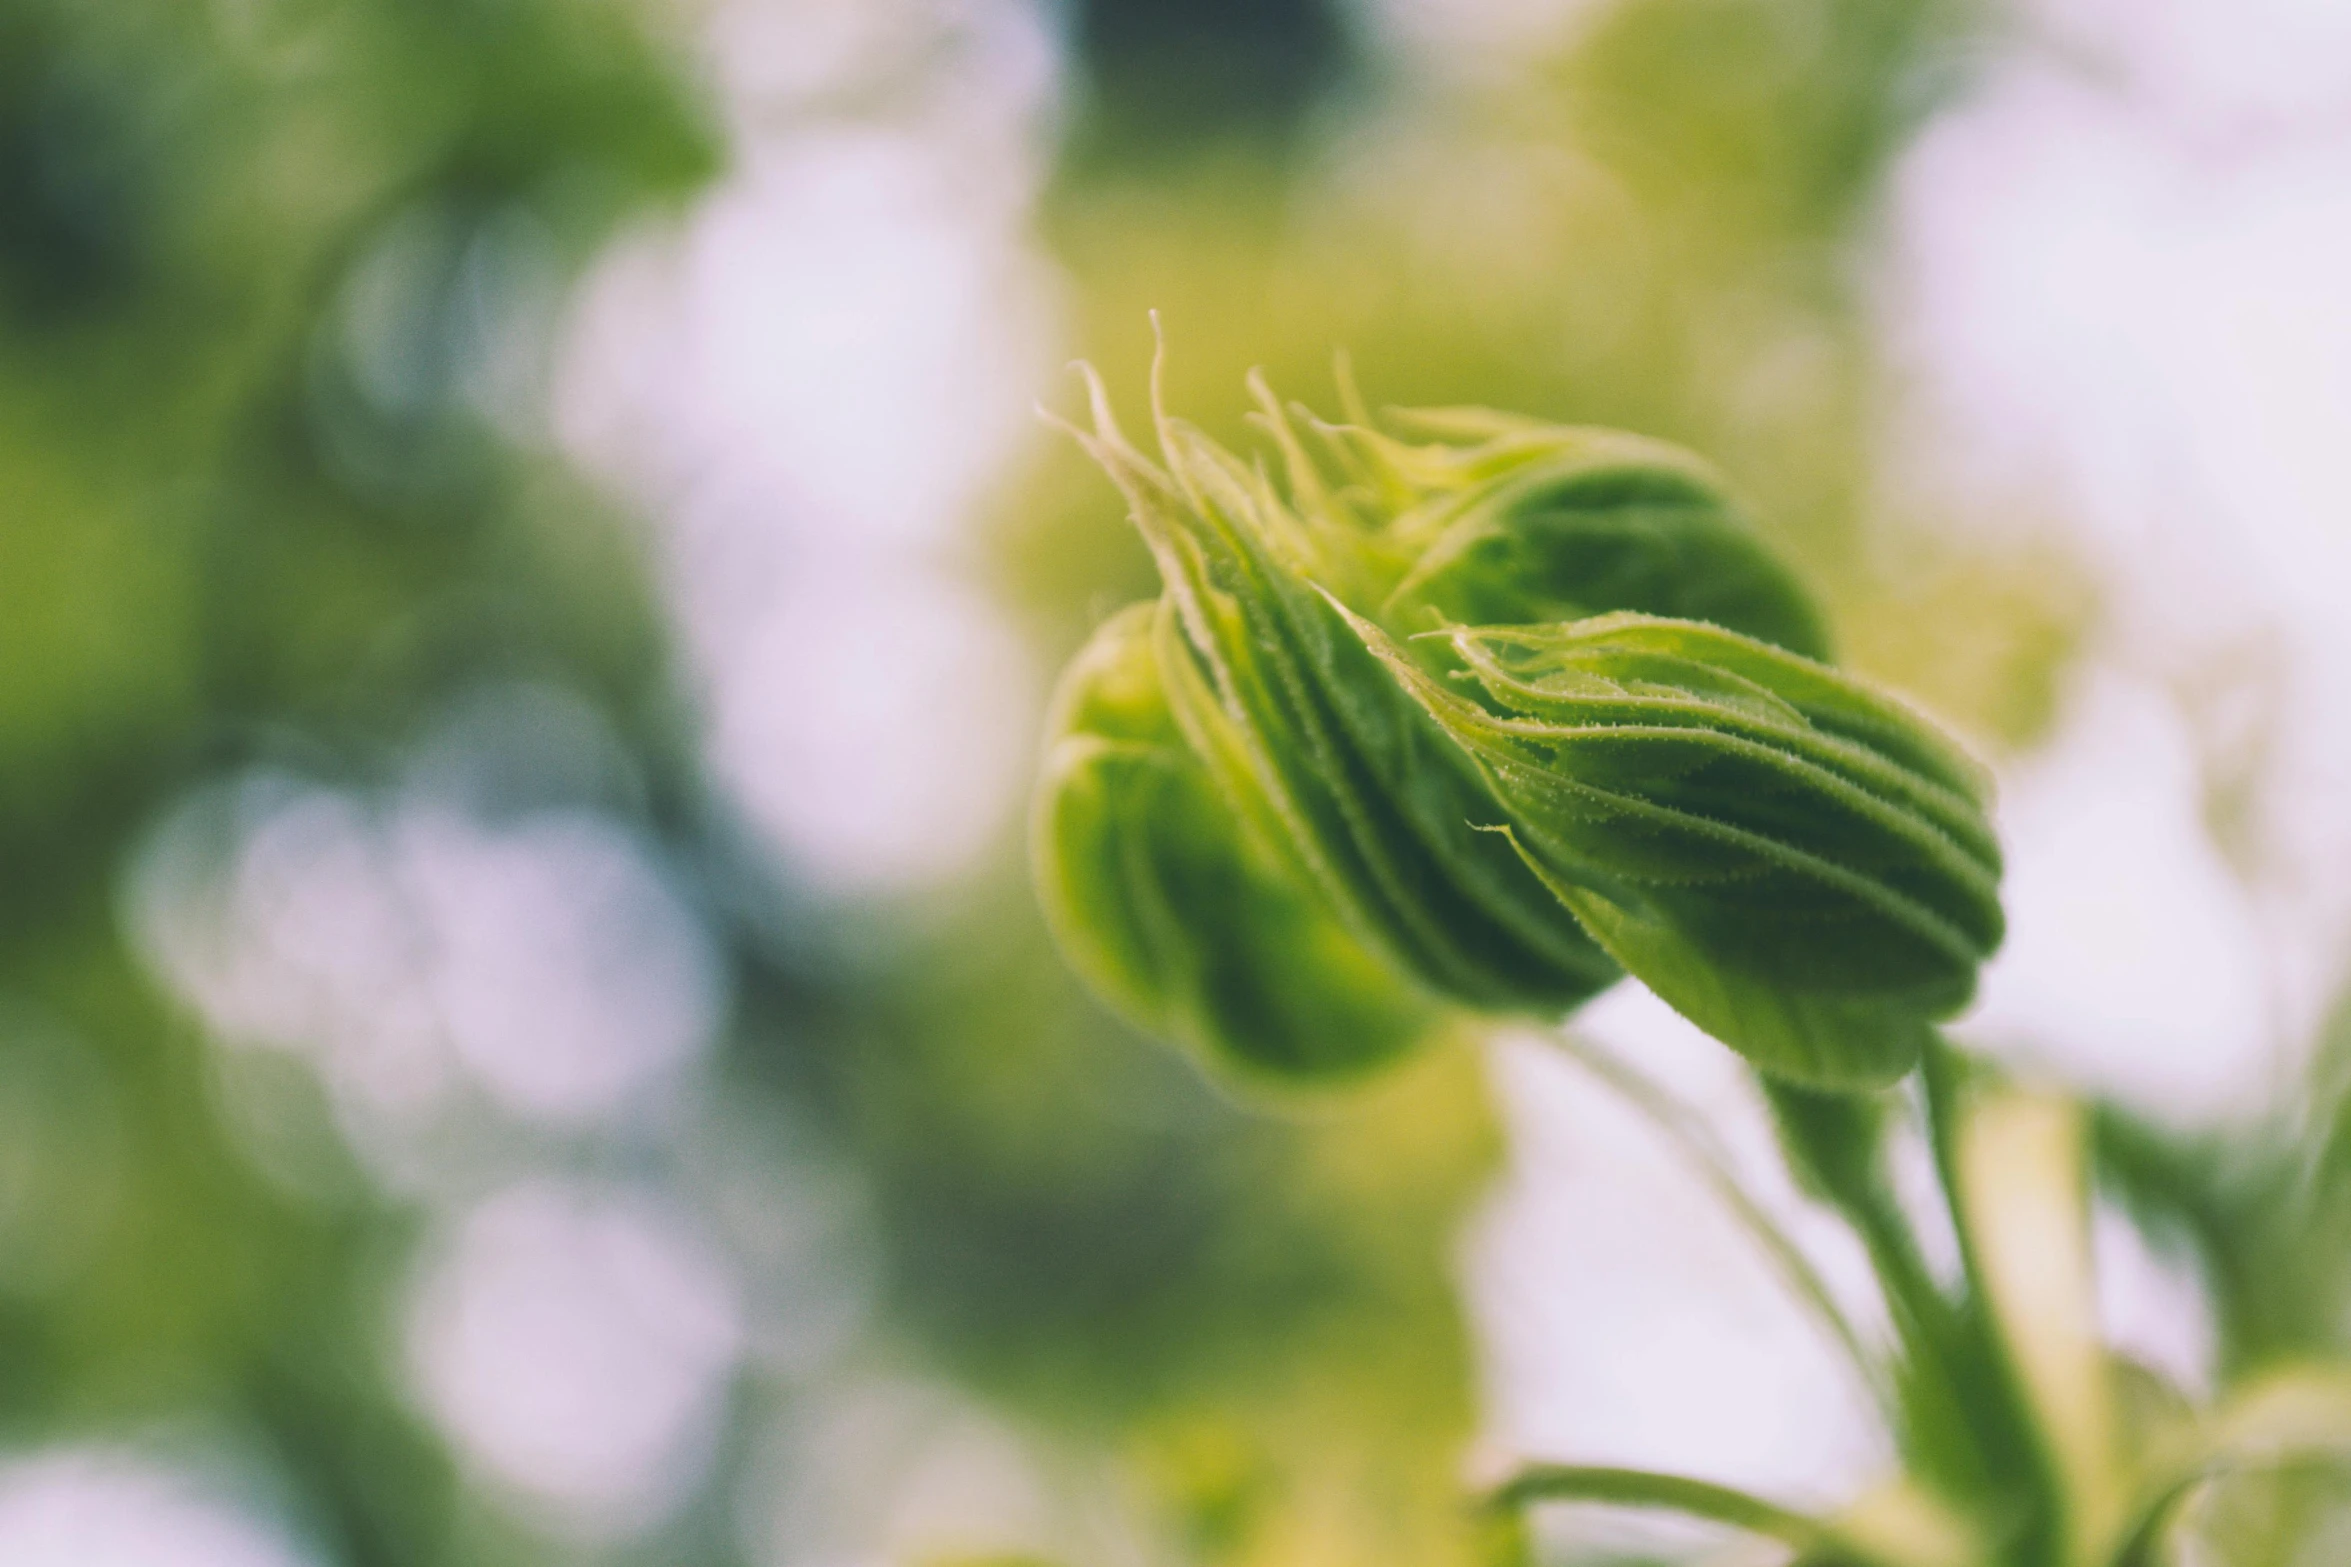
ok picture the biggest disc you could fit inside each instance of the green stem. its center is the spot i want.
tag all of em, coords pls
(1838, 1142)
(1939, 1076)
(2007, 1433)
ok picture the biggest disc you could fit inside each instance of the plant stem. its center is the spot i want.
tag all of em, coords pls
(1837, 1143)
(1689, 1135)
(2006, 1430)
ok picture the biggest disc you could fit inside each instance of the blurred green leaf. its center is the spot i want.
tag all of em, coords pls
(2290, 1417)
(2024, 1201)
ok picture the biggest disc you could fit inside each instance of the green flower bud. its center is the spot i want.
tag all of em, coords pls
(1285, 705)
(1184, 912)
(1794, 861)
(1480, 724)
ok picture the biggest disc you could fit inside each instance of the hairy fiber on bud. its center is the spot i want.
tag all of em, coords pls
(1562, 523)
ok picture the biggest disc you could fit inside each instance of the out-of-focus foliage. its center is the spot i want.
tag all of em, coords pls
(278, 284)
(259, 270)
(1163, 78)
(2027, 1438)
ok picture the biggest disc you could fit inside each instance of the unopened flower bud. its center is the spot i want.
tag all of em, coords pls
(1479, 724)
(1285, 705)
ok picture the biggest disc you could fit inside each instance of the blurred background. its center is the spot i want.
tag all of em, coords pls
(528, 575)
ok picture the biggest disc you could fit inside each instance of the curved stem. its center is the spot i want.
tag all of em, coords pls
(1672, 1493)
(1838, 1144)
(1689, 1136)
(1932, 1331)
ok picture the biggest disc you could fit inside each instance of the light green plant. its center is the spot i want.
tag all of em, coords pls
(1637, 761)
(1466, 727)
